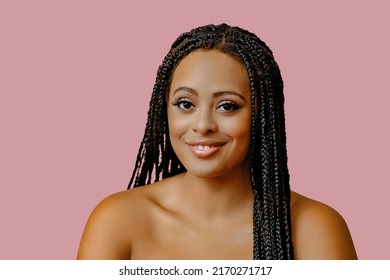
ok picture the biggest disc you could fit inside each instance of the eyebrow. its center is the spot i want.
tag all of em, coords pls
(215, 94)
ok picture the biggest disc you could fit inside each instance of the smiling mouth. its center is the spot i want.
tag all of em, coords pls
(205, 150)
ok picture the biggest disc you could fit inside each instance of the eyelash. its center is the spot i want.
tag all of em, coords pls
(182, 102)
(233, 106)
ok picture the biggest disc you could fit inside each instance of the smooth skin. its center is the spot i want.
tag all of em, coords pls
(206, 212)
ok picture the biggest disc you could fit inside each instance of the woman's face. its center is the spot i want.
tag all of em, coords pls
(209, 113)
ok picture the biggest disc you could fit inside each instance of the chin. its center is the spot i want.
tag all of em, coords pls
(210, 173)
(205, 173)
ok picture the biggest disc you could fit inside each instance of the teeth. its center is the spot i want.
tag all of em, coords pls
(203, 148)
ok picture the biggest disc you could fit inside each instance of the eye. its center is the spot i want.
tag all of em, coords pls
(228, 106)
(183, 104)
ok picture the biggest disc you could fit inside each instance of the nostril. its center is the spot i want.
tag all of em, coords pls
(204, 123)
(205, 127)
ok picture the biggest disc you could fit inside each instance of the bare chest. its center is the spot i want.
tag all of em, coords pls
(168, 237)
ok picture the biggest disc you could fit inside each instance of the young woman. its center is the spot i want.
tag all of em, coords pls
(213, 166)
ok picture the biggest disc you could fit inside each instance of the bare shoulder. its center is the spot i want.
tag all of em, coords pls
(319, 231)
(114, 223)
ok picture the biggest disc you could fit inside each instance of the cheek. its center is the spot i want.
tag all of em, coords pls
(243, 137)
(176, 123)
(243, 129)
(241, 134)
(238, 128)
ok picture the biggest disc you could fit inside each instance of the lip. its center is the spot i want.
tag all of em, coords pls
(205, 148)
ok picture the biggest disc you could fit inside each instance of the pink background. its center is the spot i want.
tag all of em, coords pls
(75, 82)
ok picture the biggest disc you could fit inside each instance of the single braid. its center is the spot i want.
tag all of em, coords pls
(269, 174)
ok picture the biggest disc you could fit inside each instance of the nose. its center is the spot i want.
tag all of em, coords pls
(204, 122)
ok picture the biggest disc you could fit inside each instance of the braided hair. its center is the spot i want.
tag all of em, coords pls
(269, 174)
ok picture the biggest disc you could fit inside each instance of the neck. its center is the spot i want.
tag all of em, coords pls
(221, 195)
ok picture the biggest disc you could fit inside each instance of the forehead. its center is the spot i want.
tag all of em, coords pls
(210, 67)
